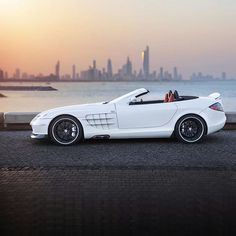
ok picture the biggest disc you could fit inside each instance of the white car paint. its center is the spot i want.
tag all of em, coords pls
(119, 119)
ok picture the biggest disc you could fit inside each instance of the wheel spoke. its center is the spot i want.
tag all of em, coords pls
(191, 129)
(65, 131)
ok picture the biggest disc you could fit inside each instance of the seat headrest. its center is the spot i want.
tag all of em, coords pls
(176, 95)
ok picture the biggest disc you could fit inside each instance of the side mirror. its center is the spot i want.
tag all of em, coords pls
(133, 100)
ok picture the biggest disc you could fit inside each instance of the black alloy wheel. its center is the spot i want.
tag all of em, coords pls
(65, 130)
(190, 129)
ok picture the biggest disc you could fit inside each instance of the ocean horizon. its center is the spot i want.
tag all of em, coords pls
(96, 91)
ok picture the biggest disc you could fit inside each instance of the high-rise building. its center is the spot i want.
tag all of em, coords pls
(73, 72)
(125, 73)
(161, 74)
(146, 66)
(17, 74)
(92, 73)
(223, 76)
(175, 74)
(94, 64)
(57, 70)
(24, 75)
(1, 74)
(6, 75)
(129, 69)
(109, 69)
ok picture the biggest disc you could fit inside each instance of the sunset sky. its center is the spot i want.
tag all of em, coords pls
(195, 35)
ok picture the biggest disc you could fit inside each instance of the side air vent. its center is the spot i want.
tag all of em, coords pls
(102, 120)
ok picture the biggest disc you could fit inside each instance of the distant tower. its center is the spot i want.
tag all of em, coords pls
(224, 76)
(73, 72)
(57, 70)
(161, 75)
(1, 74)
(146, 66)
(109, 69)
(6, 75)
(94, 64)
(129, 68)
(17, 74)
(175, 73)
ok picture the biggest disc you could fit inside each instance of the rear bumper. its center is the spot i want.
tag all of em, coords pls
(215, 120)
(216, 126)
(38, 136)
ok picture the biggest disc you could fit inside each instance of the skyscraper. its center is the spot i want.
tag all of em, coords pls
(57, 70)
(94, 64)
(146, 66)
(6, 75)
(109, 69)
(17, 74)
(73, 72)
(1, 74)
(161, 74)
(129, 69)
(223, 75)
(175, 73)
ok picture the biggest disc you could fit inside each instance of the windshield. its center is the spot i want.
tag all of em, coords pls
(148, 97)
(133, 93)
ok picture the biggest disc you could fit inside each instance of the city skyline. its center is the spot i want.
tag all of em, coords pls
(192, 35)
(18, 74)
(125, 73)
(141, 74)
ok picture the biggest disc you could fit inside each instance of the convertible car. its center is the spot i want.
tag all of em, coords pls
(133, 115)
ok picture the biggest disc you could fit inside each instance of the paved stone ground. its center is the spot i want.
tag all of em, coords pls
(17, 150)
(135, 187)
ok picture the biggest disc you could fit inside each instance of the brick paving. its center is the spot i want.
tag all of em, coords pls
(117, 187)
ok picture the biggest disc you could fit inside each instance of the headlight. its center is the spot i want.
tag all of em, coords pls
(40, 115)
(44, 114)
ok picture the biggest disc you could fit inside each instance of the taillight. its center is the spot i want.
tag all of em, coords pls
(216, 107)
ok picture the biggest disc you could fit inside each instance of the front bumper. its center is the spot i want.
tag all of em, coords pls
(39, 128)
(38, 136)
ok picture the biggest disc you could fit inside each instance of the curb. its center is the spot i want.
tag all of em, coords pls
(17, 120)
(21, 120)
(1, 120)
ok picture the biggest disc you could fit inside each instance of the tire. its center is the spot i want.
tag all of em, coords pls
(65, 130)
(190, 129)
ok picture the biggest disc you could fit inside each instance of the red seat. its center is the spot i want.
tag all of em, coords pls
(166, 99)
(171, 98)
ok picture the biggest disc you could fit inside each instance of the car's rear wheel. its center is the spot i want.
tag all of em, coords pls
(65, 130)
(190, 129)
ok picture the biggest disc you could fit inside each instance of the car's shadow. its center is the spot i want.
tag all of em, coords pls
(165, 141)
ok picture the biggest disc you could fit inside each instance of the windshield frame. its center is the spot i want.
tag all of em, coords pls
(136, 93)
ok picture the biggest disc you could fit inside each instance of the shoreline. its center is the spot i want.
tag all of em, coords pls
(2, 95)
(95, 81)
(27, 88)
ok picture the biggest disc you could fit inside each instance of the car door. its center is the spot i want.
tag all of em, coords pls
(144, 115)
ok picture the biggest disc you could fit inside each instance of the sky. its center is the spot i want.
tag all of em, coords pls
(194, 35)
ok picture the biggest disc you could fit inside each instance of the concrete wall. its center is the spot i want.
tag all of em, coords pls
(19, 117)
(231, 121)
(1, 120)
(18, 120)
(21, 120)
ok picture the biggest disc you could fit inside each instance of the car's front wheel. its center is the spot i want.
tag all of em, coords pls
(65, 130)
(190, 129)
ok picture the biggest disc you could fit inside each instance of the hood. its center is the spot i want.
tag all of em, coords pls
(58, 110)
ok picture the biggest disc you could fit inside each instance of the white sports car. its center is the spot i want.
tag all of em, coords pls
(133, 115)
